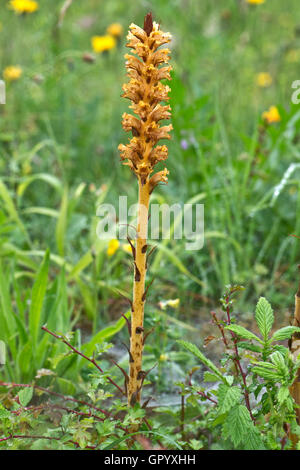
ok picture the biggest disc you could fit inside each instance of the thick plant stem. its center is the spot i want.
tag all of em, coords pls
(146, 69)
(295, 349)
(136, 374)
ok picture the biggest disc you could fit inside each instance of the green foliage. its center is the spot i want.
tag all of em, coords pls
(59, 132)
(239, 429)
(25, 396)
(264, 317)
(255, 404)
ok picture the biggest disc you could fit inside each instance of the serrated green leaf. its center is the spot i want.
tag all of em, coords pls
(266, 373)
(252, 440)
(285, 333)
(249, 346)
(279, 362)
(242, 332)
(237, 424)
(4, 413)
(25, 395)
(194, 350)
(228, 397)
(283, 394)
(209, 377)
(264, 317)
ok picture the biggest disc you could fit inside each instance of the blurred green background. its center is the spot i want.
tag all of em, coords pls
(59, 133)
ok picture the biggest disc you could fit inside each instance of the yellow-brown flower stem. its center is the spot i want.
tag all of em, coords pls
(146, 69)
(295, 350)
(136, 374)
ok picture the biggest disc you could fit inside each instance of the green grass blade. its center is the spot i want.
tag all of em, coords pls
(37, 298)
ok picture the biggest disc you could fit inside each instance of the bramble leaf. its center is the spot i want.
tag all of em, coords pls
(237, 425)
(264, 317)
(4, 413)
(283, 395)
(228, 397)
(242, 332)
(25, 396)
(285, 333)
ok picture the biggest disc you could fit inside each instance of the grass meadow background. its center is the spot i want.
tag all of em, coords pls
(59, 133)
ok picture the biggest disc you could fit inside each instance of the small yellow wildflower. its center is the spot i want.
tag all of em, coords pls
(113, 247)
(174, 303)
(103, 43)
(115, 29)
(272, 115)
(12, 72)
(23, 6)
(255, 2)
(127, 248)
(264, 79)
(163, 357)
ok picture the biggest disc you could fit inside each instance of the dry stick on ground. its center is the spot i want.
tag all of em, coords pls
(295, 350)
(141, 154)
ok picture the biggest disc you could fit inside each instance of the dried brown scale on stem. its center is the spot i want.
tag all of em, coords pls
(145, 90)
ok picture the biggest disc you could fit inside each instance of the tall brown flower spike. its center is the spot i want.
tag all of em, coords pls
(141, 154)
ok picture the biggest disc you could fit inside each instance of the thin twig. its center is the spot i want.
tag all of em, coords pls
(236, 359)
(61, 338)
(60, 395)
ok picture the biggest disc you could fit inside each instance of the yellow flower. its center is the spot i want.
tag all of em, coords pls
(23, 6)
(112, 247)
(272, 115)
(174, 303)
(126, 247)
(12, 72)
(264, 79)
(163, 357)
(103, 43)
(115, 29)
(255, 2)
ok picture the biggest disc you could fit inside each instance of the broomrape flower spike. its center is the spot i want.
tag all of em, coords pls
(146, 92)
